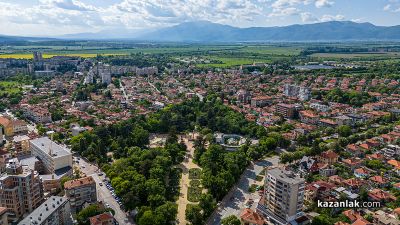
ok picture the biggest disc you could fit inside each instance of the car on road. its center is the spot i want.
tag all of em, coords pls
(100, 174)
(101, 184)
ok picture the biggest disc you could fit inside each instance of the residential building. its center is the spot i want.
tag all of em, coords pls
(21, 145)
(302, 93)
(36, 114)
(12, 126)
(261, 101)
(53, 156)
(286, 110)
(102, 219)
(54, 211)
(20, 189)
(80, 191)
(284, 196)
(248, 216)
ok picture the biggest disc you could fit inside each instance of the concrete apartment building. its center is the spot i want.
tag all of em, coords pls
(285, 110)
(80, 191)
(3, 216)
(21, 145)
(53, 156)
(302, 93)
(54, 211)
(284, 195)
(20, 189)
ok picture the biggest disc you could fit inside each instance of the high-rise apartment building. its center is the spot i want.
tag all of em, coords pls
(54, 211)
(20, 189)
(283, 199)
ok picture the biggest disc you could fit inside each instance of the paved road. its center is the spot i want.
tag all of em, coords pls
(240, 192)
(103, 194)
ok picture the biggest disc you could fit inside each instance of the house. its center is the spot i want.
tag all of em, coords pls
(361, 221)
(361, 172)
(12, 126)
(102, 219)
(249, 217)
(353, 183)
(352, 215)
(354, 150)
(327, 123)
(380, 195)
(308, 116)
(330, 157)
(353, 163)
(379, 181)
(336, 179)
(383, 218)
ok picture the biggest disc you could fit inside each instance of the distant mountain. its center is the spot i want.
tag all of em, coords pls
(204, 31)
(5, 38)
(106, 34)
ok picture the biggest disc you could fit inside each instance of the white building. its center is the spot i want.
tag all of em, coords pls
(55, 211)
(284, 196)
(52, 155)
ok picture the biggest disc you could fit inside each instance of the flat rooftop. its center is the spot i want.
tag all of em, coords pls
(45, 144)
(42, 212)
(285, 175)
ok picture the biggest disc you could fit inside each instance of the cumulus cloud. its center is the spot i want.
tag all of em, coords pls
(323, 3)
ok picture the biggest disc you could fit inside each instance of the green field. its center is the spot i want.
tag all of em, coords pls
(9, 87)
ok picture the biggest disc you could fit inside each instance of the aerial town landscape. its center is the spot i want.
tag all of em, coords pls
(263, 125)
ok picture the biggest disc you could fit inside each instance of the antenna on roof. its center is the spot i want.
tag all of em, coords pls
(51, 142)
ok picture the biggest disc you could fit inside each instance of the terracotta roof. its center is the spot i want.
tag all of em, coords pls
(378, 194)
(397, 211)
(352, 215)
(99, 219)
(394, 163)
(329, 154)
(3, 210)
(361, 221)
(362, 171)
(4, 121)
(79, 182)
(252, 217)
(341, 223)
(379, 179)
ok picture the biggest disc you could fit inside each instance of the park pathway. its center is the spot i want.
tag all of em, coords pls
(186, 165)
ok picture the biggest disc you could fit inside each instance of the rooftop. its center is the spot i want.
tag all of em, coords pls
(79, 182)
(44, 210)
(285, 175)
(45, 144)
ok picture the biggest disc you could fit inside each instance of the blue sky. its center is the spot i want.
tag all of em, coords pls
(57, 17)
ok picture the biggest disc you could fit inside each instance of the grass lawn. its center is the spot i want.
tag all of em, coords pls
(194, 173)
(30, 56)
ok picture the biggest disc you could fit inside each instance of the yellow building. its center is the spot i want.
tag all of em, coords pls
(12, 127)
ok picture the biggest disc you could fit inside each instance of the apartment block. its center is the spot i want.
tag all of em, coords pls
(80, 191)
(285, 110)
(53, 156)
(54, 211)
(284, 196)
(20, 189)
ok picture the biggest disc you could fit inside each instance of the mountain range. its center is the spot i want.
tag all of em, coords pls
(205, 31)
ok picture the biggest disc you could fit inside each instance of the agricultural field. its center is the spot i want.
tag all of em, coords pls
(365, 55)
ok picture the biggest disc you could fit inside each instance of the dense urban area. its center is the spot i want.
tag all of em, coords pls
(155, 134)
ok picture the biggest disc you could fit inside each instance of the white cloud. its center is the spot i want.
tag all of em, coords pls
(327, 18)
(387, 7)
(323, 3)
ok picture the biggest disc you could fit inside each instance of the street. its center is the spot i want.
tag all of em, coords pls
(234, 206)
(103, 194)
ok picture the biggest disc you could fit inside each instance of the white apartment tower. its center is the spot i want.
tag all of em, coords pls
(284, 195)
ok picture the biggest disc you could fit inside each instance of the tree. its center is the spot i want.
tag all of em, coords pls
(208, 204)
(344, 131)
(194, 215)
(230, 220)
(321, 220)
(91, 210)
(147, 218)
